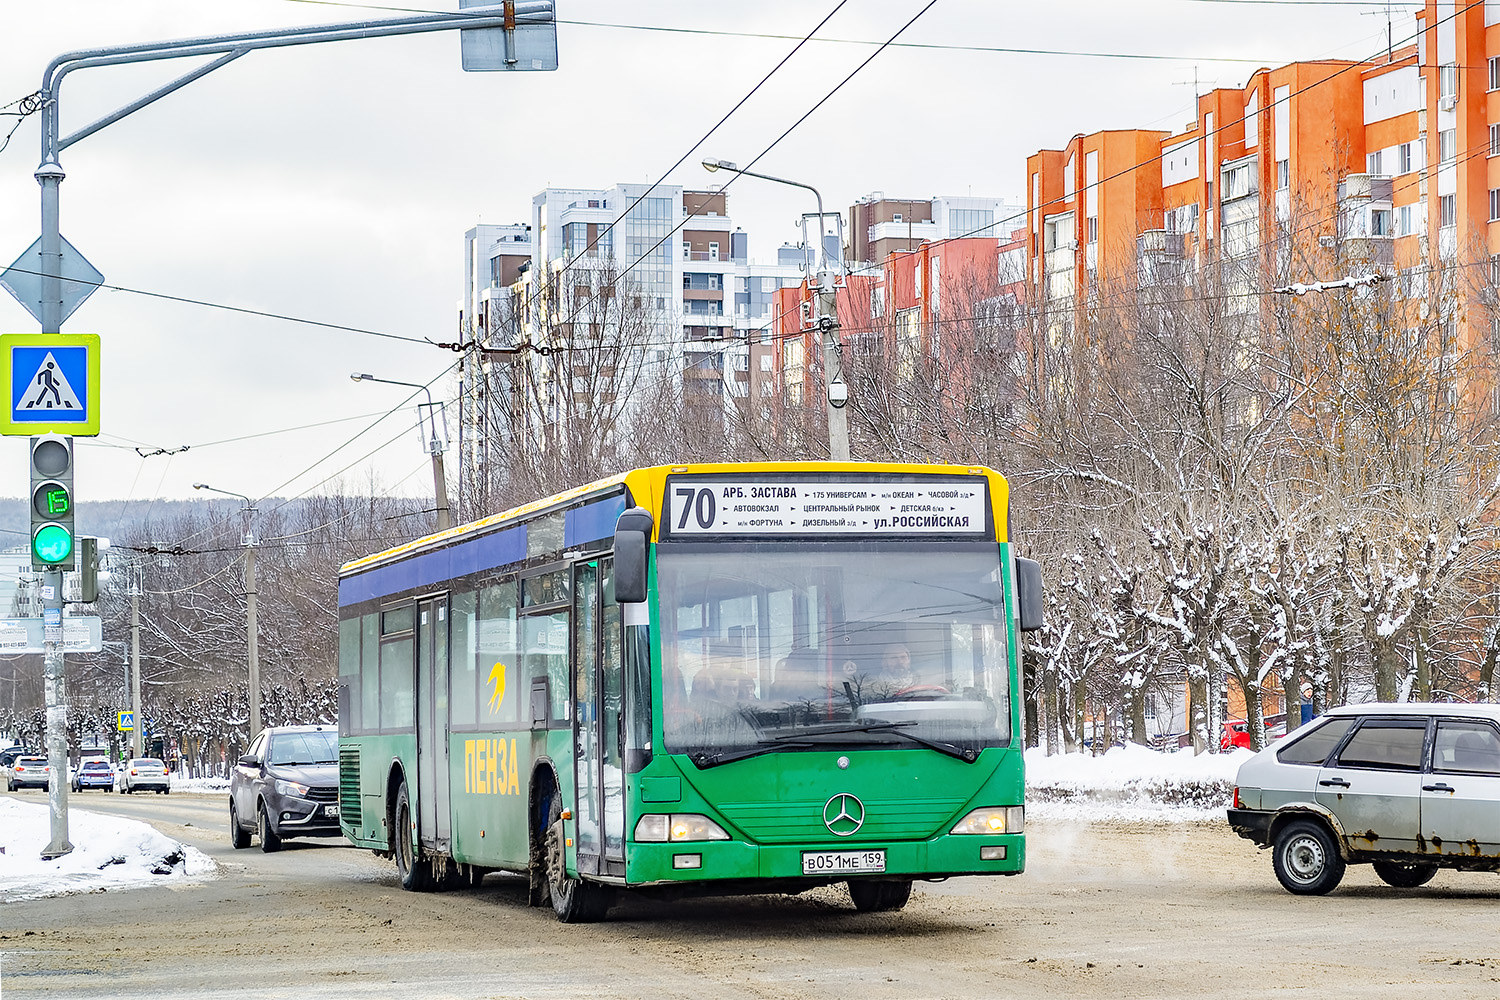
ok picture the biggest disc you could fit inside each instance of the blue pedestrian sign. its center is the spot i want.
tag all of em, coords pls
(126, 723)
(53, 381)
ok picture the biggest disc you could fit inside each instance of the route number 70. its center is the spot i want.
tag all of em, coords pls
(698, 504)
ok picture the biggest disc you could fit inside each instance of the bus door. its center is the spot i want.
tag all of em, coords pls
(597, 759)
(433, 818)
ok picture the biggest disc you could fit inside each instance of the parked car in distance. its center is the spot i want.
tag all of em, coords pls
(1407, 788)
(1237, 732)
(29, 772)
(94, 773)
(286, 785)
(144, 774)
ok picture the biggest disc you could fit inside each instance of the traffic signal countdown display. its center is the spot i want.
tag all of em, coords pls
(52, 539)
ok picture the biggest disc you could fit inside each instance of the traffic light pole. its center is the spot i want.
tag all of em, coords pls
(511, 18)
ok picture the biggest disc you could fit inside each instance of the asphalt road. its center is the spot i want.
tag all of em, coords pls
(1104, 911)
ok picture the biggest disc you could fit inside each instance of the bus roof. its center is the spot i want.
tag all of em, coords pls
(647, 486)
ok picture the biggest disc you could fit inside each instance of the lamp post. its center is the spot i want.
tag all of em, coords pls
(825, 317)
(250, 626)
(435, 445)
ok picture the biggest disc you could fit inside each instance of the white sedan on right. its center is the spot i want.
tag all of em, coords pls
(1408, 788)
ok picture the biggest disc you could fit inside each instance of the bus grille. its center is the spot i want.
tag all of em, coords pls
(787, 822)
(349, 803)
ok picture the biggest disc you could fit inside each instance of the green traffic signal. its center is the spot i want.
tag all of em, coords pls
(52, 544)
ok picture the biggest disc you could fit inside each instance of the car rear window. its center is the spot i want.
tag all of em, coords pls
(1393, 743)
(1314, 747)
(1466, 746)
(95, 765)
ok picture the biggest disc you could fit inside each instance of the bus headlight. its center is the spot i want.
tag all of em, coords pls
(992, 820)
(661, 828)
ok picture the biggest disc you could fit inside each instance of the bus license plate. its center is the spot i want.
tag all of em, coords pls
(331, 811)
(842, 862)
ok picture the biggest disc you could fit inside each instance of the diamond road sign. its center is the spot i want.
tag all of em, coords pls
(23, 279)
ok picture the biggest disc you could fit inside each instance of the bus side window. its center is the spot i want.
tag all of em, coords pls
(501, 692)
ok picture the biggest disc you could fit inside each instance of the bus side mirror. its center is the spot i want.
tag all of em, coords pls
(631, 532)
(1029, 594)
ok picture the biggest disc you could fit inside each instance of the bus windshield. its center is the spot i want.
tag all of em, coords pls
(797, 646)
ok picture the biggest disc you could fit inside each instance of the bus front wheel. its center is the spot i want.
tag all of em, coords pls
(415, 872)
(879, 896)
(573, 900)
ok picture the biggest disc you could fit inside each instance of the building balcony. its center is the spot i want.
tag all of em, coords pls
(903, 230)
(1371, 187)
(1159, 242)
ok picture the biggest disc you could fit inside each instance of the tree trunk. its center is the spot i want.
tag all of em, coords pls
(1138, 732)
(1424, 667)
(1291, 697)
(1049, 709)
(1255, 719)
(1388, 664)
(1198, 712)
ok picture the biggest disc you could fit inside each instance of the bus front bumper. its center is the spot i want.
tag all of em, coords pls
(819, 863)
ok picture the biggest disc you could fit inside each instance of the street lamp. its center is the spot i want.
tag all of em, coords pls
(825, 317)
(250, 626)
(435, 445)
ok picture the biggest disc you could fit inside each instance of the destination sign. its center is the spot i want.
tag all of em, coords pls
(749, 507)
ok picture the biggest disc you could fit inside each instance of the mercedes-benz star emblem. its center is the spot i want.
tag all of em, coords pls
(843, 815)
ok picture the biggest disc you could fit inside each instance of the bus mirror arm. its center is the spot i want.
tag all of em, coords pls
(1028, 595)
(631, 533)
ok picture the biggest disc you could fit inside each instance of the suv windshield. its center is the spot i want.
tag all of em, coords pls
(813, 645)
(304, 748)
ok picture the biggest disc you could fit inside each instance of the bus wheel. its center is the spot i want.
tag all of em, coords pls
(879, 896)
(573, 900)
(416, 873)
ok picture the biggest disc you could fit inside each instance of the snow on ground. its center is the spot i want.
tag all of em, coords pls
(1131, 784)
(108, 853)
(1127, 784)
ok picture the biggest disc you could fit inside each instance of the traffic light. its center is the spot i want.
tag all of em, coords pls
(51, 503)
(91, 570)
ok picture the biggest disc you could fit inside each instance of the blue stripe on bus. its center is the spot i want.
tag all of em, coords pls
(593, 521)
(485, 552)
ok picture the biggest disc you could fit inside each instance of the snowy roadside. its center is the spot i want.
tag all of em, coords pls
(1131, 784)
(108, 853)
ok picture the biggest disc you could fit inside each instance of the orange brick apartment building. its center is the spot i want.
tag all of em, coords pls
(1398, 157)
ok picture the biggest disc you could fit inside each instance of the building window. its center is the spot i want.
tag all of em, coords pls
(896, 217)
(1283, 174)
(1374, 161)
(1448, 210)
(1448, 145)
(1495, 204)
(1495, 140)
(1448, 80)
(1380, 221)
(713, 251)
(1405, 223)
(1093, 229)
(1403, 158)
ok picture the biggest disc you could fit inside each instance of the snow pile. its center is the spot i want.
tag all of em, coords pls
(1131, 783)
(108, 853)
(200, 786)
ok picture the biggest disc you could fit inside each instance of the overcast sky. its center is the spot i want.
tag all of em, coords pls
(334, 183)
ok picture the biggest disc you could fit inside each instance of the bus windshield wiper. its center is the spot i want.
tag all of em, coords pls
(830, 734)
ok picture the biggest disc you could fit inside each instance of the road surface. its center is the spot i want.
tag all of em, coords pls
(1104, 910)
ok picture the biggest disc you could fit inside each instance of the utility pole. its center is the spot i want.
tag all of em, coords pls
(822, 283)
(135, 664)
(252, 655)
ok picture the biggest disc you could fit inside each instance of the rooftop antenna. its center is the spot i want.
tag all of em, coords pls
(1197, 92)
(1389, 14)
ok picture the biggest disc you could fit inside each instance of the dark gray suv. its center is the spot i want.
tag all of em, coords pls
(286, 785)
(1407, 788)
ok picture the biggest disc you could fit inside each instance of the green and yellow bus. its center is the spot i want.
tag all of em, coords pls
(705, 679)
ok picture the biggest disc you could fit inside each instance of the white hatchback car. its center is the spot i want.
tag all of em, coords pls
(1408, 788)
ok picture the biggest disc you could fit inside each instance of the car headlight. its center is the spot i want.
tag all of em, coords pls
(291, 788)
(661, 828)
(993, 820)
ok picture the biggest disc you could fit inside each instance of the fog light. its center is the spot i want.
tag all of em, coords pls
(992, 854)
(687, 861)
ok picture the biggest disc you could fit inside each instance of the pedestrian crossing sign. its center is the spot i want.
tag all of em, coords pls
(53, 380)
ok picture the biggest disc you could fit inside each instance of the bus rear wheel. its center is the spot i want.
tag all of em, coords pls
(573, 900)
(879, 896)
(415, 872)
